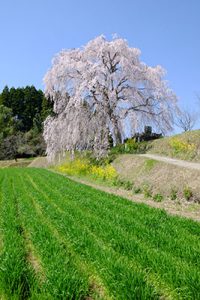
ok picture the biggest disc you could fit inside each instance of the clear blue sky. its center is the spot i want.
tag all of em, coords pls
(166, 31)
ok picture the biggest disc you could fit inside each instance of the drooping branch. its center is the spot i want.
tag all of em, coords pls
(106, 83)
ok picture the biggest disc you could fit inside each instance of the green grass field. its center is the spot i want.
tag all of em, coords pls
(63, 240)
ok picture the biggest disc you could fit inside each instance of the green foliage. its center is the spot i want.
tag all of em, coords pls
(187, 192)
(22, 112)
(89, 156)
(131, 146)
(128, 185)
(37, 123)
(47, 108)
(31, 144)
(26, 104)
(85, 243)
(9, 147)
(158, 197)
(15, 273)
(7, 124)
(8, 135)
(137, 190)
(118, 182)
(173, 194)
(5, 97)
(147, 191)
(125, 184)
(119, 149)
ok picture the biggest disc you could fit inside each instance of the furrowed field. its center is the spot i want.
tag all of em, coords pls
(63, 240)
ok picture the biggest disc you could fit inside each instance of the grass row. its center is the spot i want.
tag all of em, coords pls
(16, 275)
(74, 242)
(112, 267)
(155, 248)
(61, 279)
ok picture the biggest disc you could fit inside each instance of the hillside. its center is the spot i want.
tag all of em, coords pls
(184, 146)
(157, 177)
(174, 186)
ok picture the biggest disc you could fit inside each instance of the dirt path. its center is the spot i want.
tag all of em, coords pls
(177, 162)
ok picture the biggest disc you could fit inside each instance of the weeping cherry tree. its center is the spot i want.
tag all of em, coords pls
(96, 90)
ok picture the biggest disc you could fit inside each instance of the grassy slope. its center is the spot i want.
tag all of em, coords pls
(72, 241)
(21, 162)
(159, 176)
(184, 146)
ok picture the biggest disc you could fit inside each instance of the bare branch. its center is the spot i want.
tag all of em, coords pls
(186, 120)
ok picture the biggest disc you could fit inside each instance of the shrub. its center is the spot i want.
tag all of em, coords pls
(158, 197)
(131, 146)
(187, 192)
(143, 147)
(147, 191)
(119, 149)
(118, 182)
(173, 194)
(137, 190)
(127, 185)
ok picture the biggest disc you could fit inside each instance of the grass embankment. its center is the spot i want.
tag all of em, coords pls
(140, 175)
(20, 162)
(65, 240)
(184, 146)
(155, 177)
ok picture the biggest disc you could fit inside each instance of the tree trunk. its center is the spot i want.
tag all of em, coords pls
(117, 137)
(72, 154)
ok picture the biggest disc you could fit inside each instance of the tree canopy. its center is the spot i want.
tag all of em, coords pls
(6, 122)
(25, 104)
(22, 112)
(97, 89)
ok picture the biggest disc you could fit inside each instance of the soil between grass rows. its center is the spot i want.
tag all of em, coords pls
(79, 243)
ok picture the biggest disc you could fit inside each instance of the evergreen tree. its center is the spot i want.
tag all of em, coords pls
(22, 113)
(47, 108)
(5, 96)
(6, 122)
